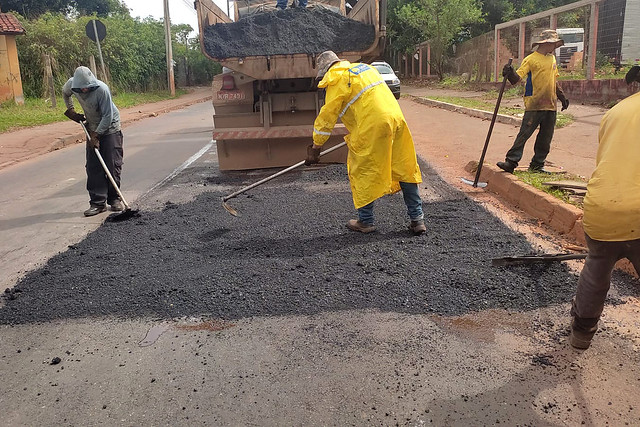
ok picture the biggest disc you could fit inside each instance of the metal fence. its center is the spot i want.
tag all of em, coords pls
(611, 28)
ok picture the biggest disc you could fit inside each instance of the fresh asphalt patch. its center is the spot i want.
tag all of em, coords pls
(288, 253)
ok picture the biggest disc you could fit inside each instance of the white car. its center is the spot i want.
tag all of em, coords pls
(389, 77)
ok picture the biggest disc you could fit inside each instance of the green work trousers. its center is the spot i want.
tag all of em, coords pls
(531, 120)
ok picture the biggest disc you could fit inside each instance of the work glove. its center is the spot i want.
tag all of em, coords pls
(71, 113)
(93, 141)
(510, 74)
(565, 102)
(313, 155)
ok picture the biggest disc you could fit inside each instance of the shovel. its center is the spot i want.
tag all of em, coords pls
(475, 182)
(127, 212)
(234, 212)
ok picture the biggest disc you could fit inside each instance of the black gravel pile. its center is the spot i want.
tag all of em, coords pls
(288, 253)
(284, 32)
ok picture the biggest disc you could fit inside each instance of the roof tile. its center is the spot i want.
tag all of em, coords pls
(9, 25)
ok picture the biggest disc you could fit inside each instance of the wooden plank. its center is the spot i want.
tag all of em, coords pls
(565, 184)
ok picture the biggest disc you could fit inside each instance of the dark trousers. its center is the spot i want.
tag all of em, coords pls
(546, 120)
(595, 278)
(100, 189)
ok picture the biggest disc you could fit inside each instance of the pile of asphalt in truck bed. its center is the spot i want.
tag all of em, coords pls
(288, 253)
(289, 31)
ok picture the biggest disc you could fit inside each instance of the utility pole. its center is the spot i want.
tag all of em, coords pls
(167, 36)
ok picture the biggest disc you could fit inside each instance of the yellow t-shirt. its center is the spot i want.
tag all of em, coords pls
(539, 73)
(612, 203)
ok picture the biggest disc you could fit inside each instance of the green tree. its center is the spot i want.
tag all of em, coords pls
(438, 21)
(191, 62)
(133, 51)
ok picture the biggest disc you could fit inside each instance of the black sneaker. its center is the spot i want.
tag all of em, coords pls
(506, 166)
(117, 206)
(95, 210)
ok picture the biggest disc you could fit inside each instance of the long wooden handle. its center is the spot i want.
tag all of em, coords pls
(113, 182)
(277, 174)
(493, 122)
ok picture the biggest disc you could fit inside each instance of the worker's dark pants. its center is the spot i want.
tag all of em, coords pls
(530, 122)
(595, 277)
(100, 189)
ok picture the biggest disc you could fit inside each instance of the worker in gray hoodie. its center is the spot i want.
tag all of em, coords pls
(103, 124)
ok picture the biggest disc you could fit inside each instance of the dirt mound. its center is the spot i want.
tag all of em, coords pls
(289, 31)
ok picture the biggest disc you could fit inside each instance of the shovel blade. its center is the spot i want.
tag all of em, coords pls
(468, 181)
(124, 215)
(229, 209)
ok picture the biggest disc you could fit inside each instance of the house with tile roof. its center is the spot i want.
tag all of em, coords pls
(10, 81)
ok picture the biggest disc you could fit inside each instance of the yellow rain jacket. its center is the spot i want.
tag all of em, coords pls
(381, 150)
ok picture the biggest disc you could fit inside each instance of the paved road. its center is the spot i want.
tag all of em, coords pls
(43, 198)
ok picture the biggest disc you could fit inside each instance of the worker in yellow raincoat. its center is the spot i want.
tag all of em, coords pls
(382, 158)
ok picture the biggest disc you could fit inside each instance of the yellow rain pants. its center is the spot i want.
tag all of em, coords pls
(381, 150)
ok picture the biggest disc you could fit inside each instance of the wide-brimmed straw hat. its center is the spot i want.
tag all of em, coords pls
(325, 60)
(549, 36)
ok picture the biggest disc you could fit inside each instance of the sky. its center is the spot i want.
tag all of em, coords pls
(180, 11)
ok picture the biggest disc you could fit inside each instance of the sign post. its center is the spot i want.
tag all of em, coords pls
(96, 31)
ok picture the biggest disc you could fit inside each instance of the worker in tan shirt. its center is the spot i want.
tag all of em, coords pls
(611, 212)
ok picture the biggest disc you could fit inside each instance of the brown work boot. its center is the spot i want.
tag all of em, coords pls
(356, 225)
(582, 331)
(417, 227)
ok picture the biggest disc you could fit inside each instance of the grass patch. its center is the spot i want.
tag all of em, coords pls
(36, 111)
(478, 104)
(535, 179)
(562, 119)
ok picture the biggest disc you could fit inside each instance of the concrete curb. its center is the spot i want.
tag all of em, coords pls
(500, 118)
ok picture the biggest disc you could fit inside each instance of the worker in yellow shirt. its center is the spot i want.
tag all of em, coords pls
(540, 72)
(611, 213)
(382, 158)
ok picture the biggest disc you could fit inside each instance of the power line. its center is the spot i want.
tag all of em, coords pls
(189, 6)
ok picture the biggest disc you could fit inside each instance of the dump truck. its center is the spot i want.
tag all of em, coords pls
(266, 99)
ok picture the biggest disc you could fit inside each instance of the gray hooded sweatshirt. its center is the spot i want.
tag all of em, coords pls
(101, 113)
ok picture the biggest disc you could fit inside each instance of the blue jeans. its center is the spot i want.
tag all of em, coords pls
(411, 199)
(282, 4)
